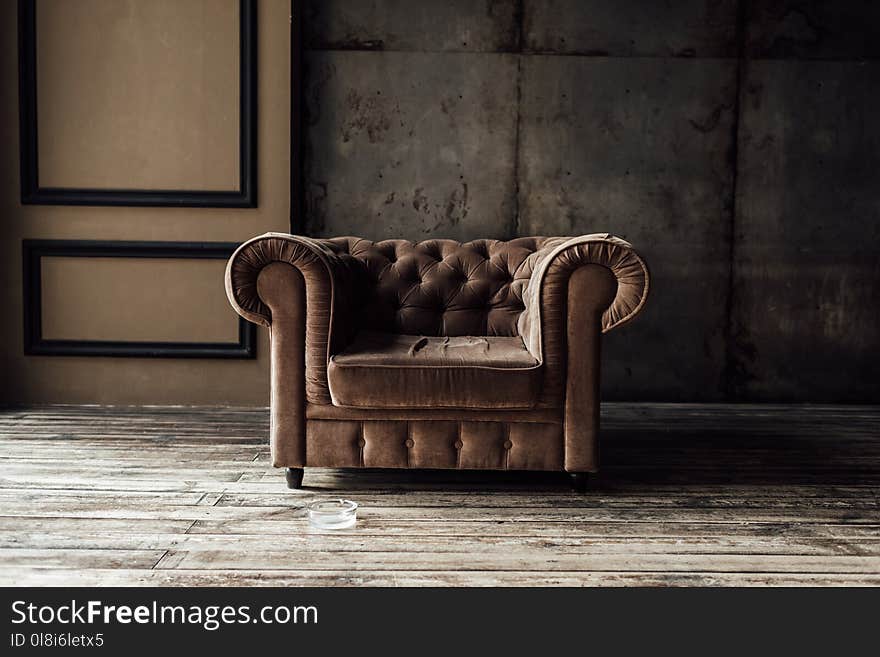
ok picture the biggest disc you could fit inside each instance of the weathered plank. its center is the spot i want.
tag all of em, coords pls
(122, 508)
(11, 527)
(79, 558)
(410, 548)
(559, 501)
(191, 578)
(96, 497)
(537, 560)
(542, 529)
(271, 495)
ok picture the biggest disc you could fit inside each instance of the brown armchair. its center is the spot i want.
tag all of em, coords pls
(438, 354)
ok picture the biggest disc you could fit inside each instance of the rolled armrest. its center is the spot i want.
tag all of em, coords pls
(543, 323)
(578, 289)
(559, 257)
(312, 257)
(326, 278)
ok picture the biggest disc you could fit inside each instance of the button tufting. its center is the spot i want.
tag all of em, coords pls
(468, 284)
(409, 442)
(361, 442)
(507, 444)
(458, 444)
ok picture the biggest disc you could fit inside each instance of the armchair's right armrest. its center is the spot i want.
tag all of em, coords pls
(579, 288)
(551, 269)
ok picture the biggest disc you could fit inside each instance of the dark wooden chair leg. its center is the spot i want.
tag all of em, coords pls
(579, 481)
(294, 477)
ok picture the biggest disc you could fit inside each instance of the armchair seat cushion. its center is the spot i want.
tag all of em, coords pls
(385, 370)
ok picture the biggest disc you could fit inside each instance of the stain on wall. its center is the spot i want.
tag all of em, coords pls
(634, 28)
(638, 147)
(732, 141)
(396, 144)
(806, 286)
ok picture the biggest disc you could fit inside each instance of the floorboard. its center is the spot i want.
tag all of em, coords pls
(688, 495)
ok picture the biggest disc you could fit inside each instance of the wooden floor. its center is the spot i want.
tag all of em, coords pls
(688, 495)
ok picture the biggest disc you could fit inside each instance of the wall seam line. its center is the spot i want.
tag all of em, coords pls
(515, 225)
(728, 376)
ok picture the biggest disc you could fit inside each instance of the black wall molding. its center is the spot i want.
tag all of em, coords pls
(33, 193)
(297, 133)
(34, 250)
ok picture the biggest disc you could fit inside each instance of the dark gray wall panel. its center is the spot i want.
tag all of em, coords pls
(411, 145)
(639, 118)
(640, 148)
(814, 29)
(807, 262)
(427, 25)
(623, 28)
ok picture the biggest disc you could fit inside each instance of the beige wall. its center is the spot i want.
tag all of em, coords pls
(51, 379)
(108, 311)
(145, 92)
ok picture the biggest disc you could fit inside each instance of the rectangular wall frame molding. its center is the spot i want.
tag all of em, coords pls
(34, 250)
(33, 193)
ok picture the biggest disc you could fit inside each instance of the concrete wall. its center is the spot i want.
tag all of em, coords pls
(735, 144)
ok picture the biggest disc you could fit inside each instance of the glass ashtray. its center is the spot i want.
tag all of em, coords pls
(332, 514)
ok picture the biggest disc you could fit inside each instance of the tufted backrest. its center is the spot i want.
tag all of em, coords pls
(441, 287)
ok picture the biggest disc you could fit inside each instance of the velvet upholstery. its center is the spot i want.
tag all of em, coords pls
(435, 444)
(389, 370)
(436, 354)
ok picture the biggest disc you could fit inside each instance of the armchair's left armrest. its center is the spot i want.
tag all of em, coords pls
(311, 257)
(299, 288)
(276, 276)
